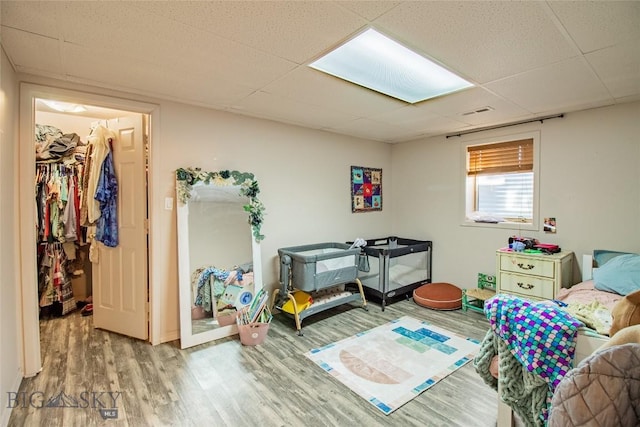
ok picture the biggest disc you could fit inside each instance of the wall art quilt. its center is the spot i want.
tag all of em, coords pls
(366, 189)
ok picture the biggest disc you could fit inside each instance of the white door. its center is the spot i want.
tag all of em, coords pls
(120, 301)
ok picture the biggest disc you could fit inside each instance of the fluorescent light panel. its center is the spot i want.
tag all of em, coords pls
(376, 62)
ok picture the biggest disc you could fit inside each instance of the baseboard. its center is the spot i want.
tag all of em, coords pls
(5, 412)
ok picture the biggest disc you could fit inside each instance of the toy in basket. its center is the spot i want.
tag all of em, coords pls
(253, 321)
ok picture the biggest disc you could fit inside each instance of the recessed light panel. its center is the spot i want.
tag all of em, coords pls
(376, 62)
(65, 107)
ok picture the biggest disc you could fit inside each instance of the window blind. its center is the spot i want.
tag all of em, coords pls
(502, 157)
(511, 197)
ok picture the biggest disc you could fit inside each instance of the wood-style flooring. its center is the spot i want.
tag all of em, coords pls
(226, 384)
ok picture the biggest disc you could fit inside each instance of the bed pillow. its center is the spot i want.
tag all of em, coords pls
(620, 274)
(601, 256)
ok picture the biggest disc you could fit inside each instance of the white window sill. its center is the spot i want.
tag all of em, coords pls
(501, 225)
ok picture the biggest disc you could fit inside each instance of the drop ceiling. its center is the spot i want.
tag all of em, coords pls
(527, 59)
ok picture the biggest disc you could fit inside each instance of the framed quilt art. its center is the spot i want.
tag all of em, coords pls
(366, 189)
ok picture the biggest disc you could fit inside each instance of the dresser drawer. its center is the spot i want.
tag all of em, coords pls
(531, 266)
(527, 286)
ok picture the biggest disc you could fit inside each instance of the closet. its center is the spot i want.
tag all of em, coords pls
(118, 279)
(63, 181)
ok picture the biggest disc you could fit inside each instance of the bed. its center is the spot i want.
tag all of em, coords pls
(591, 306)
(395, 267)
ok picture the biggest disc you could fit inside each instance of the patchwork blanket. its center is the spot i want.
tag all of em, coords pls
(540, 336)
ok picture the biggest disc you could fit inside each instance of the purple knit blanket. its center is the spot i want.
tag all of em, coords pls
(540, 335)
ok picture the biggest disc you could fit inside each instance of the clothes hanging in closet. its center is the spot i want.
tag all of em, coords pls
(58, 181)
(54, 282)
(107, 196)
(58, 202)
(101, 187)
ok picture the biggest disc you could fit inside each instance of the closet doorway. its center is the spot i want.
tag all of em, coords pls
(118, 277)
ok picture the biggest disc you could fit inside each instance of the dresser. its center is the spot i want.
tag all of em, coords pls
(533, 276)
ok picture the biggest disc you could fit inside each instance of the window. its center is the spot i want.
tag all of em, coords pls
(501, 182)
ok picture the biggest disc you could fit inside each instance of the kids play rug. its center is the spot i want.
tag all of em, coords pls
(393, 363)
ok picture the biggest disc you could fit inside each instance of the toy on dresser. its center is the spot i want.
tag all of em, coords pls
(531, 245)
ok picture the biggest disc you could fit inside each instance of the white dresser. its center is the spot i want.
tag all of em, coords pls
(533, 276)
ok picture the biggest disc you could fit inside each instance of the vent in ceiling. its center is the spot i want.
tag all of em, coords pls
(478, 111)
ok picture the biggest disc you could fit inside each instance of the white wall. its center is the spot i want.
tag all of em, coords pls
(10, 352)
(303, 176)
(67, 123)
(304, 181)
(589, 181)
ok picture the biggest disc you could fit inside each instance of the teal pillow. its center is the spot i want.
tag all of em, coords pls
(601, 256)
(620, 274)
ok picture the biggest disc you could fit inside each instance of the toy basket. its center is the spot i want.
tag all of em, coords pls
(253, 320)
(253, 333)
(227, 318)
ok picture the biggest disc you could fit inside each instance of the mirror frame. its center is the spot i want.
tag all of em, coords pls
(186, 178)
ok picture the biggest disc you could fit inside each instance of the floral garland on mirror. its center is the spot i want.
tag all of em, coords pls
(187, 177)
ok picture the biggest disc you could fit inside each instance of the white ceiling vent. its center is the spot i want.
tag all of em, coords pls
(478, 111)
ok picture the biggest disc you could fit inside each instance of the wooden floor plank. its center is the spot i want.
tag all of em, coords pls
(227, 384)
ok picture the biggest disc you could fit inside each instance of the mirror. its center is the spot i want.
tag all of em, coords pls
(219, 264)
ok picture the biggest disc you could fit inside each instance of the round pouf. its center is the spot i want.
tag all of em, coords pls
(438, 296)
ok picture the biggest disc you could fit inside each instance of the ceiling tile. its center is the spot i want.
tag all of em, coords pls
(20, 14)
(618, 68)
(32, 52)
(313, 87)
(598, 24)
(263, 104)
(405, 116)
(119, 26)
(418, 121)
(462, 35)
(552, 88)
(178, 46)
(127, 30)
(219, 58)
(457, 104)
(442, 126)
(141, 77)
(296, 31)
(436, 125)
(370, 129)
(250, 57)
(370, 10)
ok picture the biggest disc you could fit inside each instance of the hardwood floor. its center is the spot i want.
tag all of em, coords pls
(227, 384)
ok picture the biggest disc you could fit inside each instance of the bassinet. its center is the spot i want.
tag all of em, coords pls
(315, 268)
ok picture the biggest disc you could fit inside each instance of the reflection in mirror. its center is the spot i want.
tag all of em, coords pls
(219, 220)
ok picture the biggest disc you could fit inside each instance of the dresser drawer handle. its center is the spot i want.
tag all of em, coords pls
(527, 286)
(527, 267)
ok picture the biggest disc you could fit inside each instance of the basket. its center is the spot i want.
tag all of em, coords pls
(227, 318)
(253, 333)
